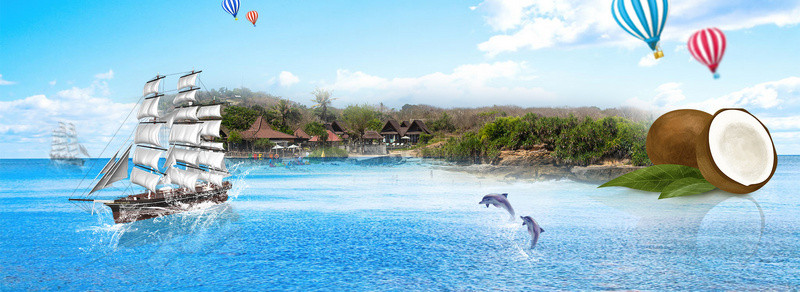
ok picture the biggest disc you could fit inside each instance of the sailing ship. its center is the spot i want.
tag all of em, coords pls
(65, 148)
(194, 166)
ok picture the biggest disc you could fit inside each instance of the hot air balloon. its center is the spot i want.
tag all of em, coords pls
(231, 6)
(643, 19)
(707, 46)
(252, 16)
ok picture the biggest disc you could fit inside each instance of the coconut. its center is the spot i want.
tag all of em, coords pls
(735, 152)
(673, 137)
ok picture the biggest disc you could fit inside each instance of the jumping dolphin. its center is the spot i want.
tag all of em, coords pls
(533, 228)
(499, 201)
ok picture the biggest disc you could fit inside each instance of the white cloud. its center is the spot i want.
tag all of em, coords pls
(474, 84)
(52, 83)
(106, 75)
(775, 103)
(5, 82)
(287, 79)
(536, 24)
(29, 120)
(648, 61)
(666, 98)
(767, 95)
(772, 95)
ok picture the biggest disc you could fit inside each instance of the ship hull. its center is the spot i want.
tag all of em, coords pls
(67, 161)
(151, 205)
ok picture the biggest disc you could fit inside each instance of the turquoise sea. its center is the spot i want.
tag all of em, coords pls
(404, 225)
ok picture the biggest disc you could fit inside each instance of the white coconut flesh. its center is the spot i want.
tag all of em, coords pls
(741, 147)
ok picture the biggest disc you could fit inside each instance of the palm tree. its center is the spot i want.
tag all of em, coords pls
(323, 99)
(286, 111)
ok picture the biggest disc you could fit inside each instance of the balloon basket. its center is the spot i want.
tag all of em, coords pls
(658, 54)
(716, 75)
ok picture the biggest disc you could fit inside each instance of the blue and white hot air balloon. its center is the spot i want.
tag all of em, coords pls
(231, 6)
(643, 19)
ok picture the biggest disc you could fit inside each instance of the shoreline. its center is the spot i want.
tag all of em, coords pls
(534, 165)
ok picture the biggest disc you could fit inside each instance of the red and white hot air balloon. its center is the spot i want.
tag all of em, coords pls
(252, 16)
(707, 46)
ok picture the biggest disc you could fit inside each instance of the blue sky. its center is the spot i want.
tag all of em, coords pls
(87, 62)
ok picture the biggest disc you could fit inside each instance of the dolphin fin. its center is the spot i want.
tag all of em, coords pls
(505, 195)
(541, 229)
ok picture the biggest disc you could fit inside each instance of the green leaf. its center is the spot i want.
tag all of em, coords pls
(654, 178)
(685, 187)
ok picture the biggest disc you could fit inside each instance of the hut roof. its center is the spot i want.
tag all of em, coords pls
(391, 127)
(417, 127)
(262, 130)
(336, 127)
(372, 135)
(332, 137)
(405, 124)
(299, 133)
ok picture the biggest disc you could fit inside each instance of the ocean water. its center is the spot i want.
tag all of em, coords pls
(399, 226)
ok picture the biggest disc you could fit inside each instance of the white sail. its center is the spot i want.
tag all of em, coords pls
(185, 96)
(148, 134)
(187, 81)
(185, 133)
(210, 112)
(144, 178)
(151, 87)
(215, 179)
(83, 150)
(147, 156)
(213, 145)
(118, 171)
(110, 163)
(149, 108)
(211, 128)
(71, 130)
(186, 113)
(182, 178)
(182, 155)
(212, 177)
(212, 159)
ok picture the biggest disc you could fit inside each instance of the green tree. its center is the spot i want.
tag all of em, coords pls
(238, 117)
(317, 129)
(443, 124)
(361, 118)
(323, 100)
(264, 144)
(285, 113)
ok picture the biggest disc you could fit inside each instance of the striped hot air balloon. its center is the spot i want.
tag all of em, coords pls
(231, 6)
(707, 46)
(643, 19)
(252, 16)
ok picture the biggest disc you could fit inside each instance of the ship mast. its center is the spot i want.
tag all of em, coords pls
(193, 155)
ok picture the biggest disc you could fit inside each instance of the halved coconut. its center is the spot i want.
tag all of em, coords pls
(735, 152)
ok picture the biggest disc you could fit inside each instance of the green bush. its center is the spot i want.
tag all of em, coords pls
(425, 138)
(264, 144)
(572, 141)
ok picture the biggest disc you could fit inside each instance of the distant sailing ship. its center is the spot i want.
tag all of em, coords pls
(64, 148)
(194, 169)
